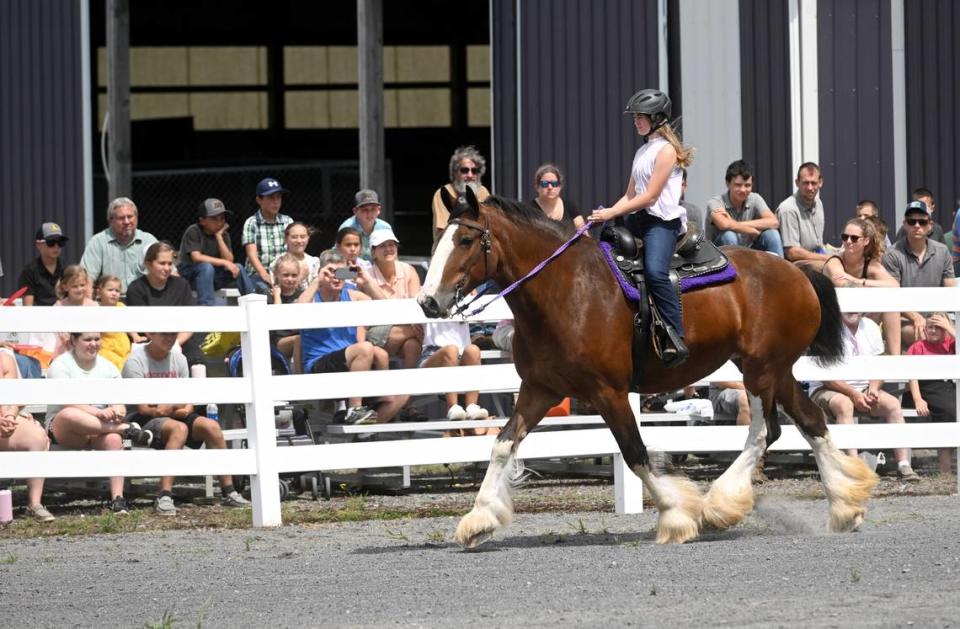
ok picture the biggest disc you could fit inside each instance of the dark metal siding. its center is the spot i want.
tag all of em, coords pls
(41, 142)
(932, 50)
(856, 109)
(765, 96)
(503, 47)
(573, 94)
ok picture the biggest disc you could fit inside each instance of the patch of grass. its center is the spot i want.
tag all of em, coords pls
(248, 544)
(855, 575)
(551, 537)
(436, 537)
(397, 535)
(166, 622)
(9, 559)
(579, 526)
(653, 590)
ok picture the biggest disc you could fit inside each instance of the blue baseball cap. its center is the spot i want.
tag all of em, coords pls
(915, 207)
(269, 186)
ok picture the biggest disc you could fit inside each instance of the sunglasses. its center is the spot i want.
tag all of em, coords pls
(54, 243)
(465, 170)
(913, 222)
(850, 237)
(546, 183)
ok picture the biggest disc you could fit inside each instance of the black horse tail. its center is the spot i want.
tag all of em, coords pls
(827, 346)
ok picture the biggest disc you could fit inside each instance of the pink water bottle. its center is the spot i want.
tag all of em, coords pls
(6, 506)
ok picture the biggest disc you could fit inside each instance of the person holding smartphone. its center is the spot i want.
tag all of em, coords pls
(651, 209)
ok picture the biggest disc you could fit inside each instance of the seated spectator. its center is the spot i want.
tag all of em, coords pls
(859, 265)
(174, 425)
(349, 244)
(118, 249)
(869, 211)
(740, 216)
(447, 344)
(41, 276)
(935, 399)
(366, 219)
(936, 231)
(695, 213)
(159, 287)
(286, 290)
(330, 350)
(467, 166)
(842, 399)
(295, 239)
(206, 256)
(548, 184)
(396, 280)
(801, 219)
(114, 346)
(916, 261)
(100, 426)
(20, 432)
(263, 234)
(72, 290)
(503, 335)
(729, 399)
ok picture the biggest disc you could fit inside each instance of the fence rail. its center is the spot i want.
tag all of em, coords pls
(259, 389)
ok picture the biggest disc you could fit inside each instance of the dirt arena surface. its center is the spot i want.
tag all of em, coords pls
(552, 567)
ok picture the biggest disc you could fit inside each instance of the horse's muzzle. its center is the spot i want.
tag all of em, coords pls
(431, 307)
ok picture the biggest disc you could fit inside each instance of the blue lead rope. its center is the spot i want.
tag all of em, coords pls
(509, 289)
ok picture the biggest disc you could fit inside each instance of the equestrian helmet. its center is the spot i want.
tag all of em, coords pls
(651, 102)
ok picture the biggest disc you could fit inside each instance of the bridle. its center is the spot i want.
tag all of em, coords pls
(486, 245)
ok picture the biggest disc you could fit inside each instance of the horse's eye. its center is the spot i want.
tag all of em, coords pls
(466, 241)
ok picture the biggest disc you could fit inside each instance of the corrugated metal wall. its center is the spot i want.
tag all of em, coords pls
(573, 93)
(41, 143)
(765, 96)
(932, 51)
(856, 109)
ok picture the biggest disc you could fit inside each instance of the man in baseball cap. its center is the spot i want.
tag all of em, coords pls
(41, 276)
(206, 255)
(263, 234)
(366, 219)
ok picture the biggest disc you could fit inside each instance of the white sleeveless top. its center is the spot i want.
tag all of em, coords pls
(668, 205)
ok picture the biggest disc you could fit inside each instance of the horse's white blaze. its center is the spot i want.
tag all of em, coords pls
(439, 261)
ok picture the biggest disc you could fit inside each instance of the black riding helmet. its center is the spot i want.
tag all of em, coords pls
(653, 103)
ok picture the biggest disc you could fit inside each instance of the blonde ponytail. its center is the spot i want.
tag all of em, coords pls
(684, 153)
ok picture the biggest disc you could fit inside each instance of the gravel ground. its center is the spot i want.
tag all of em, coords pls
(566, 561)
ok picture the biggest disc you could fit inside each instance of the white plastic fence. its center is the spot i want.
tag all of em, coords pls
(259, 389)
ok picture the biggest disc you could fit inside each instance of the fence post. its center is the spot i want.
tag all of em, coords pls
(627, 487)
(261, 431)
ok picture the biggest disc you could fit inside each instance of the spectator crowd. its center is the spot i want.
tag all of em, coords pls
(125, 266)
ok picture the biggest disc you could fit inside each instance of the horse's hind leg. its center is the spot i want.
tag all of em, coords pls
(730, 498)
(493, 506)
(677, 499)
(847, 480)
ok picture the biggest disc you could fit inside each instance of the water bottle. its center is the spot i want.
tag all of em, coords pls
(6, 506)
(213, 412)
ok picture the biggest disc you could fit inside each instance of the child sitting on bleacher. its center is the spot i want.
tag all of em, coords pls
(447, 344)
(115, 346)
(286, 290)
(935, 399)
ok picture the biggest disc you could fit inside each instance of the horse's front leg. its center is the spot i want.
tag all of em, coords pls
(493, 507)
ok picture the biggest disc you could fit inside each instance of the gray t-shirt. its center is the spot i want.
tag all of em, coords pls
(801, 226)
(141, 364)
(904, 266)
(195, 239)
(752, 208)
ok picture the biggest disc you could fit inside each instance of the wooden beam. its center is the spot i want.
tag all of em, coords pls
(119, 154)
(370, 65)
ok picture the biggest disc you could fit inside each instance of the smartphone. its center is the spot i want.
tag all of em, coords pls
(345, 273)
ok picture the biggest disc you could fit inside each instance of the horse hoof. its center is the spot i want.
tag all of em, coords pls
(475, 528)
(676, 527)
(845, 518)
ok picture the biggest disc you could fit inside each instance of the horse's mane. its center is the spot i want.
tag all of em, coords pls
(530, 213)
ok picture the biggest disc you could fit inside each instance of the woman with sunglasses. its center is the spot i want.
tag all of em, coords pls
(651, 207)
(548, 183)
(859, 265)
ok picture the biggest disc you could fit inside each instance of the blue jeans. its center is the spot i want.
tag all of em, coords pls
(207, 279)
(29, 367)
(659, 241)
(768, 240)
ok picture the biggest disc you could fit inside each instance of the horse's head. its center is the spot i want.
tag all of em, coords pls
(463, 258)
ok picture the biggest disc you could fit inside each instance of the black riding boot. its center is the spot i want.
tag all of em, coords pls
(674, 352)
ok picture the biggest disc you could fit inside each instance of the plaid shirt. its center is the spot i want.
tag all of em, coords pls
(268, 237)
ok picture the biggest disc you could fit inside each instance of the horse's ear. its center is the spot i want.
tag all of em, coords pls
(449, 201)
(470, 195)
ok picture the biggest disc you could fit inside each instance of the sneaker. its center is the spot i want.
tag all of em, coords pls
(118, 505)
(164, 505)
(475, 411)
(339, 416)
(40, 513)
(412, 414)
(234, 499)
(138, 436)
(359, 415)
(456, 413)
(907, 475)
